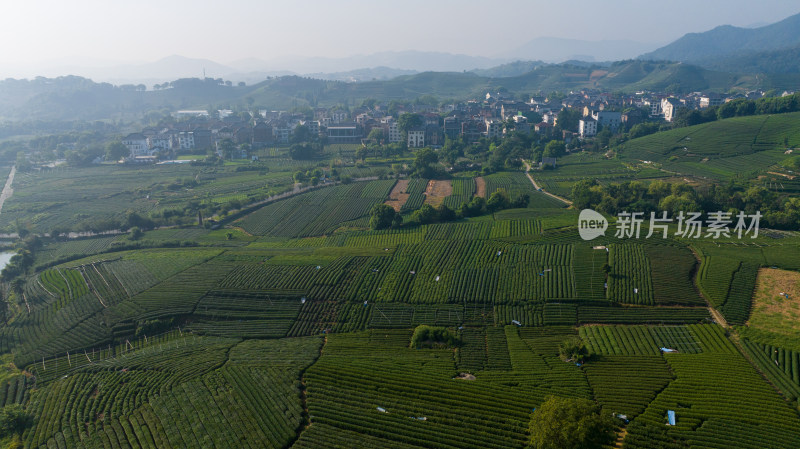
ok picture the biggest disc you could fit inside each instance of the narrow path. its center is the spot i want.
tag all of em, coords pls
(536, 186)
(621, 434)
(7, 190)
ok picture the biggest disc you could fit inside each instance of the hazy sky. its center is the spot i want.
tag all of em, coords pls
(229, 30)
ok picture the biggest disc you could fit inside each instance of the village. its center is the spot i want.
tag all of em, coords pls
(195, 131)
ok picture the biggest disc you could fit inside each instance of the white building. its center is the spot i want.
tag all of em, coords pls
(281, 132)
(185, 140)
(521, 124)
(339, 116)
(416, 138)
(391, 129)
(551, 118)
(587, 127)
(608, 119)
(137, 145)
(655, 107)
(669, 106)
(709, 101)
(160, 142)
(494, 128)
(190, 113)
(312, 126)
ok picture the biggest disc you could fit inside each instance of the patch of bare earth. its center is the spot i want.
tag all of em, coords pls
(776, 303)
(480, 187)
(597, 74)
(398, 195)
(621, 434)
(437, 191)
(781, 174)
(465, 376)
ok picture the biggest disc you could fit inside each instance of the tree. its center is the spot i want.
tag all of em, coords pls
(376, 134)
(555, 148)
(498, 200)
(408, 121)
(477, 206)
(569, 423)
(23, 164)
(382, 216)
(116, 150)
(134, 219)
(445, 213)
(573, 350)
(304, 151)
(301, 134)
(568, 119)
(425, 215)
(226, 147)
(14, 419)
(136, 233)
(586, 193)
(426, 336)
(423, 163)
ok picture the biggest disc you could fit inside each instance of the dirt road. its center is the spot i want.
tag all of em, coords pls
(536, 186)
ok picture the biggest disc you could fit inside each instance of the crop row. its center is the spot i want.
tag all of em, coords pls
(13, 390)
(641, 314)
(590, 278)
(740, 296)
(639, 340)
(316, 212)
(672, 275)
(782, 366)
(629, 280)
(463, 189)
(471, 354)
(715, 276)
(385, 389)
(174, 397)
(719, 401)
(625, 384)
(178, 295)
(416, 188)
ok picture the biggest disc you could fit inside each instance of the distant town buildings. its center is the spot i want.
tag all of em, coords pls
(491, 117)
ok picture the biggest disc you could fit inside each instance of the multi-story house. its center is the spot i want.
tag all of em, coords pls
(137, 145)
(416, 138)
(587, 127)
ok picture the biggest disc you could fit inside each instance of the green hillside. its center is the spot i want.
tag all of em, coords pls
(741, 146)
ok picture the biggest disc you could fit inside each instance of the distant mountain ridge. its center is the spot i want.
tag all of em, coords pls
(729, 41)
(558, 50)
(70, 98)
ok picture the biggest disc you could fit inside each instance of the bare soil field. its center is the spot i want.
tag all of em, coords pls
(398, 195)
(437, 191)
(480, 187)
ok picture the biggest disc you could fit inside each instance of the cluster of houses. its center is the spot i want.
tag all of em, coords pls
(491, 117)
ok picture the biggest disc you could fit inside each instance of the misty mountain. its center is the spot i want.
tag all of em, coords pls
(515, 68)
(360, 75)
(727, 40)
(405, 60)
(553, 49)
(784, 61)
(76, 98)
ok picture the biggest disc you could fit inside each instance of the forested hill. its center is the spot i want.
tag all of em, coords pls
(728, 40)
(71, 97)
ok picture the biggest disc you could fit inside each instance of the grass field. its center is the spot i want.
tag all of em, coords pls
(776, 302)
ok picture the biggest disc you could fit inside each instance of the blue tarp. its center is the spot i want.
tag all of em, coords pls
(671, 417)
(668, 350)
